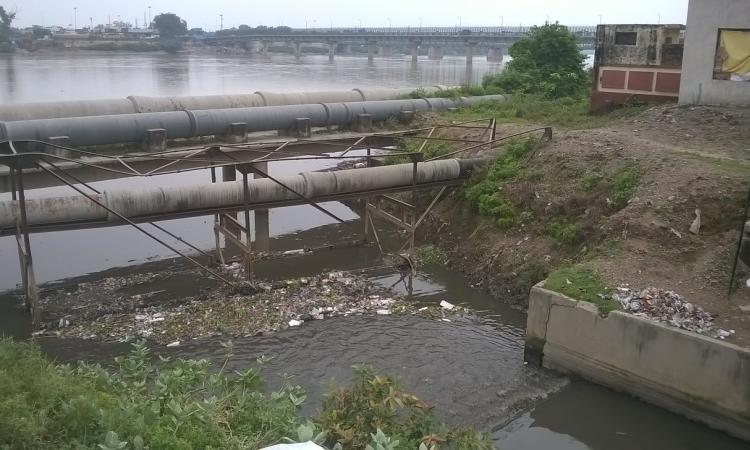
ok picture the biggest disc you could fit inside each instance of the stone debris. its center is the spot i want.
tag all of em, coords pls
(695, 227)
(110, 310)
(668, 307)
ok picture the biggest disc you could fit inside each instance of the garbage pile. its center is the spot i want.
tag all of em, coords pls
(670, 308)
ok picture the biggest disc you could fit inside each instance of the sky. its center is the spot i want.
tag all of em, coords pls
(349, 13)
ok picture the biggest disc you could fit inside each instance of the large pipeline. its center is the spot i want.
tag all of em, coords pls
(145, 104)
(131, 128)
(163, 201)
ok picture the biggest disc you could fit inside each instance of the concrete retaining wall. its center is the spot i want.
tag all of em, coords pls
(702, 378)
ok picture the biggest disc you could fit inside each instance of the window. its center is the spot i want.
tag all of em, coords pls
(626, 38)
(732, 59)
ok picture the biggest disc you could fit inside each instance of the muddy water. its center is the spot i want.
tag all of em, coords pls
(471, 369)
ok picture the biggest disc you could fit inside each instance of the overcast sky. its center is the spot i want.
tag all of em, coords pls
(339, 13)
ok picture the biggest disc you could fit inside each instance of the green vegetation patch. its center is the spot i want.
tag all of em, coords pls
(183, 404)
(563, 230)
(582, 283)
(620, 187)
(431, 150)
(432, 255)
(485, 193)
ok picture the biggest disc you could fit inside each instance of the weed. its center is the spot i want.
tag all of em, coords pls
(591, 181)
(432, 255)
(582, 283)
(375, 406)
(182, 403)
(562, 112)
(429, 151)
(623, 184)
(485, 193)
(564, 230)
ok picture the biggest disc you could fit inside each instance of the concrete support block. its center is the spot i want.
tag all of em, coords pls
(385, 50)
(155, 140)
(364, 123)
(371, 52)
(264, 47)
(301, 128)
(435, 53)
(237, 133)
(59, 140)
(297, 49)
(469, 54)
(406, 116)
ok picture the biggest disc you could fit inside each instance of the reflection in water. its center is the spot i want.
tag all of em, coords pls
(96, 75)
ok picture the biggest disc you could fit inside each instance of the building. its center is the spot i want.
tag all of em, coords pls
(716, 62)
(636, 63)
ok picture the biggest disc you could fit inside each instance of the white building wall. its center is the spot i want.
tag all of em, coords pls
(705, 18)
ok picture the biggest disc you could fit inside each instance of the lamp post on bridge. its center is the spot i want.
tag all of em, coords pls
(75, 18)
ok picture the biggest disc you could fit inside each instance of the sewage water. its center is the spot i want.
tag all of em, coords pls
(471, 369)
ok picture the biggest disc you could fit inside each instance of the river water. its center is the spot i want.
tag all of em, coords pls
(471, 369)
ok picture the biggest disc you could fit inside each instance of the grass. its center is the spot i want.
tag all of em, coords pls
(485, 192)
(582, 283)
(563, 112)
(620, 185)
(184, 404)
(431, 150)
(564, 230)
(432, 255)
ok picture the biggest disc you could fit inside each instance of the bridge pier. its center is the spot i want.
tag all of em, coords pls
(297, 46)
(495, 54)
(385, 50)
(414, 54)
(370, 51)
(331, 50)
(435, 53)
(264, 45)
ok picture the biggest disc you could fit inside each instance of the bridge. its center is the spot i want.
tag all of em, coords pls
(383, 41)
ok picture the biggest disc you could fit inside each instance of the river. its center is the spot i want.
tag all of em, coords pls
(472, 369)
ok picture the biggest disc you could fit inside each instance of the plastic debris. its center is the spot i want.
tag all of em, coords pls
(669, 308)
(295, 323)
(299, 446)
(695, 227)
(173, 344)
(446, 305)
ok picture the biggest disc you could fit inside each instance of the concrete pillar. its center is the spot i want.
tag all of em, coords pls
(264, 47)
(297, 49)
(435, 53)
(237, 133)
(302, 127)
(155, 140)
(469, 54)
(331, 50)
(385, 50)
(262, 223)
(370, 52)
(414, 54)
(364, 123)
(495, 54)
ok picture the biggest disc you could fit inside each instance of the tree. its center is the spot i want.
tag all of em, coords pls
(547, 62)
(170, 25)
(40, 32)
(6, 19)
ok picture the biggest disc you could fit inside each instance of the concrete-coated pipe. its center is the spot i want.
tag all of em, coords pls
(145, 104)
(131, 128)
(301, 98)
(74, 108)
(199, 198)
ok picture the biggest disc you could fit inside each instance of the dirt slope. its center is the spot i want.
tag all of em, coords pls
(681, 158)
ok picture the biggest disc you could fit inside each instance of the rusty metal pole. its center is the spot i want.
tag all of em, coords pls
(248, 237)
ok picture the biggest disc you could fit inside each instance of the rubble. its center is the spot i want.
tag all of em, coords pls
(670, 308)
(125, 308)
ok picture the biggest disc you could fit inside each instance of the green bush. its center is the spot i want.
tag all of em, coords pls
(547, 62)
(485, 192)
(376, 404)
(563, 230)
(185, 404)
(582, 283)
(623, 185)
